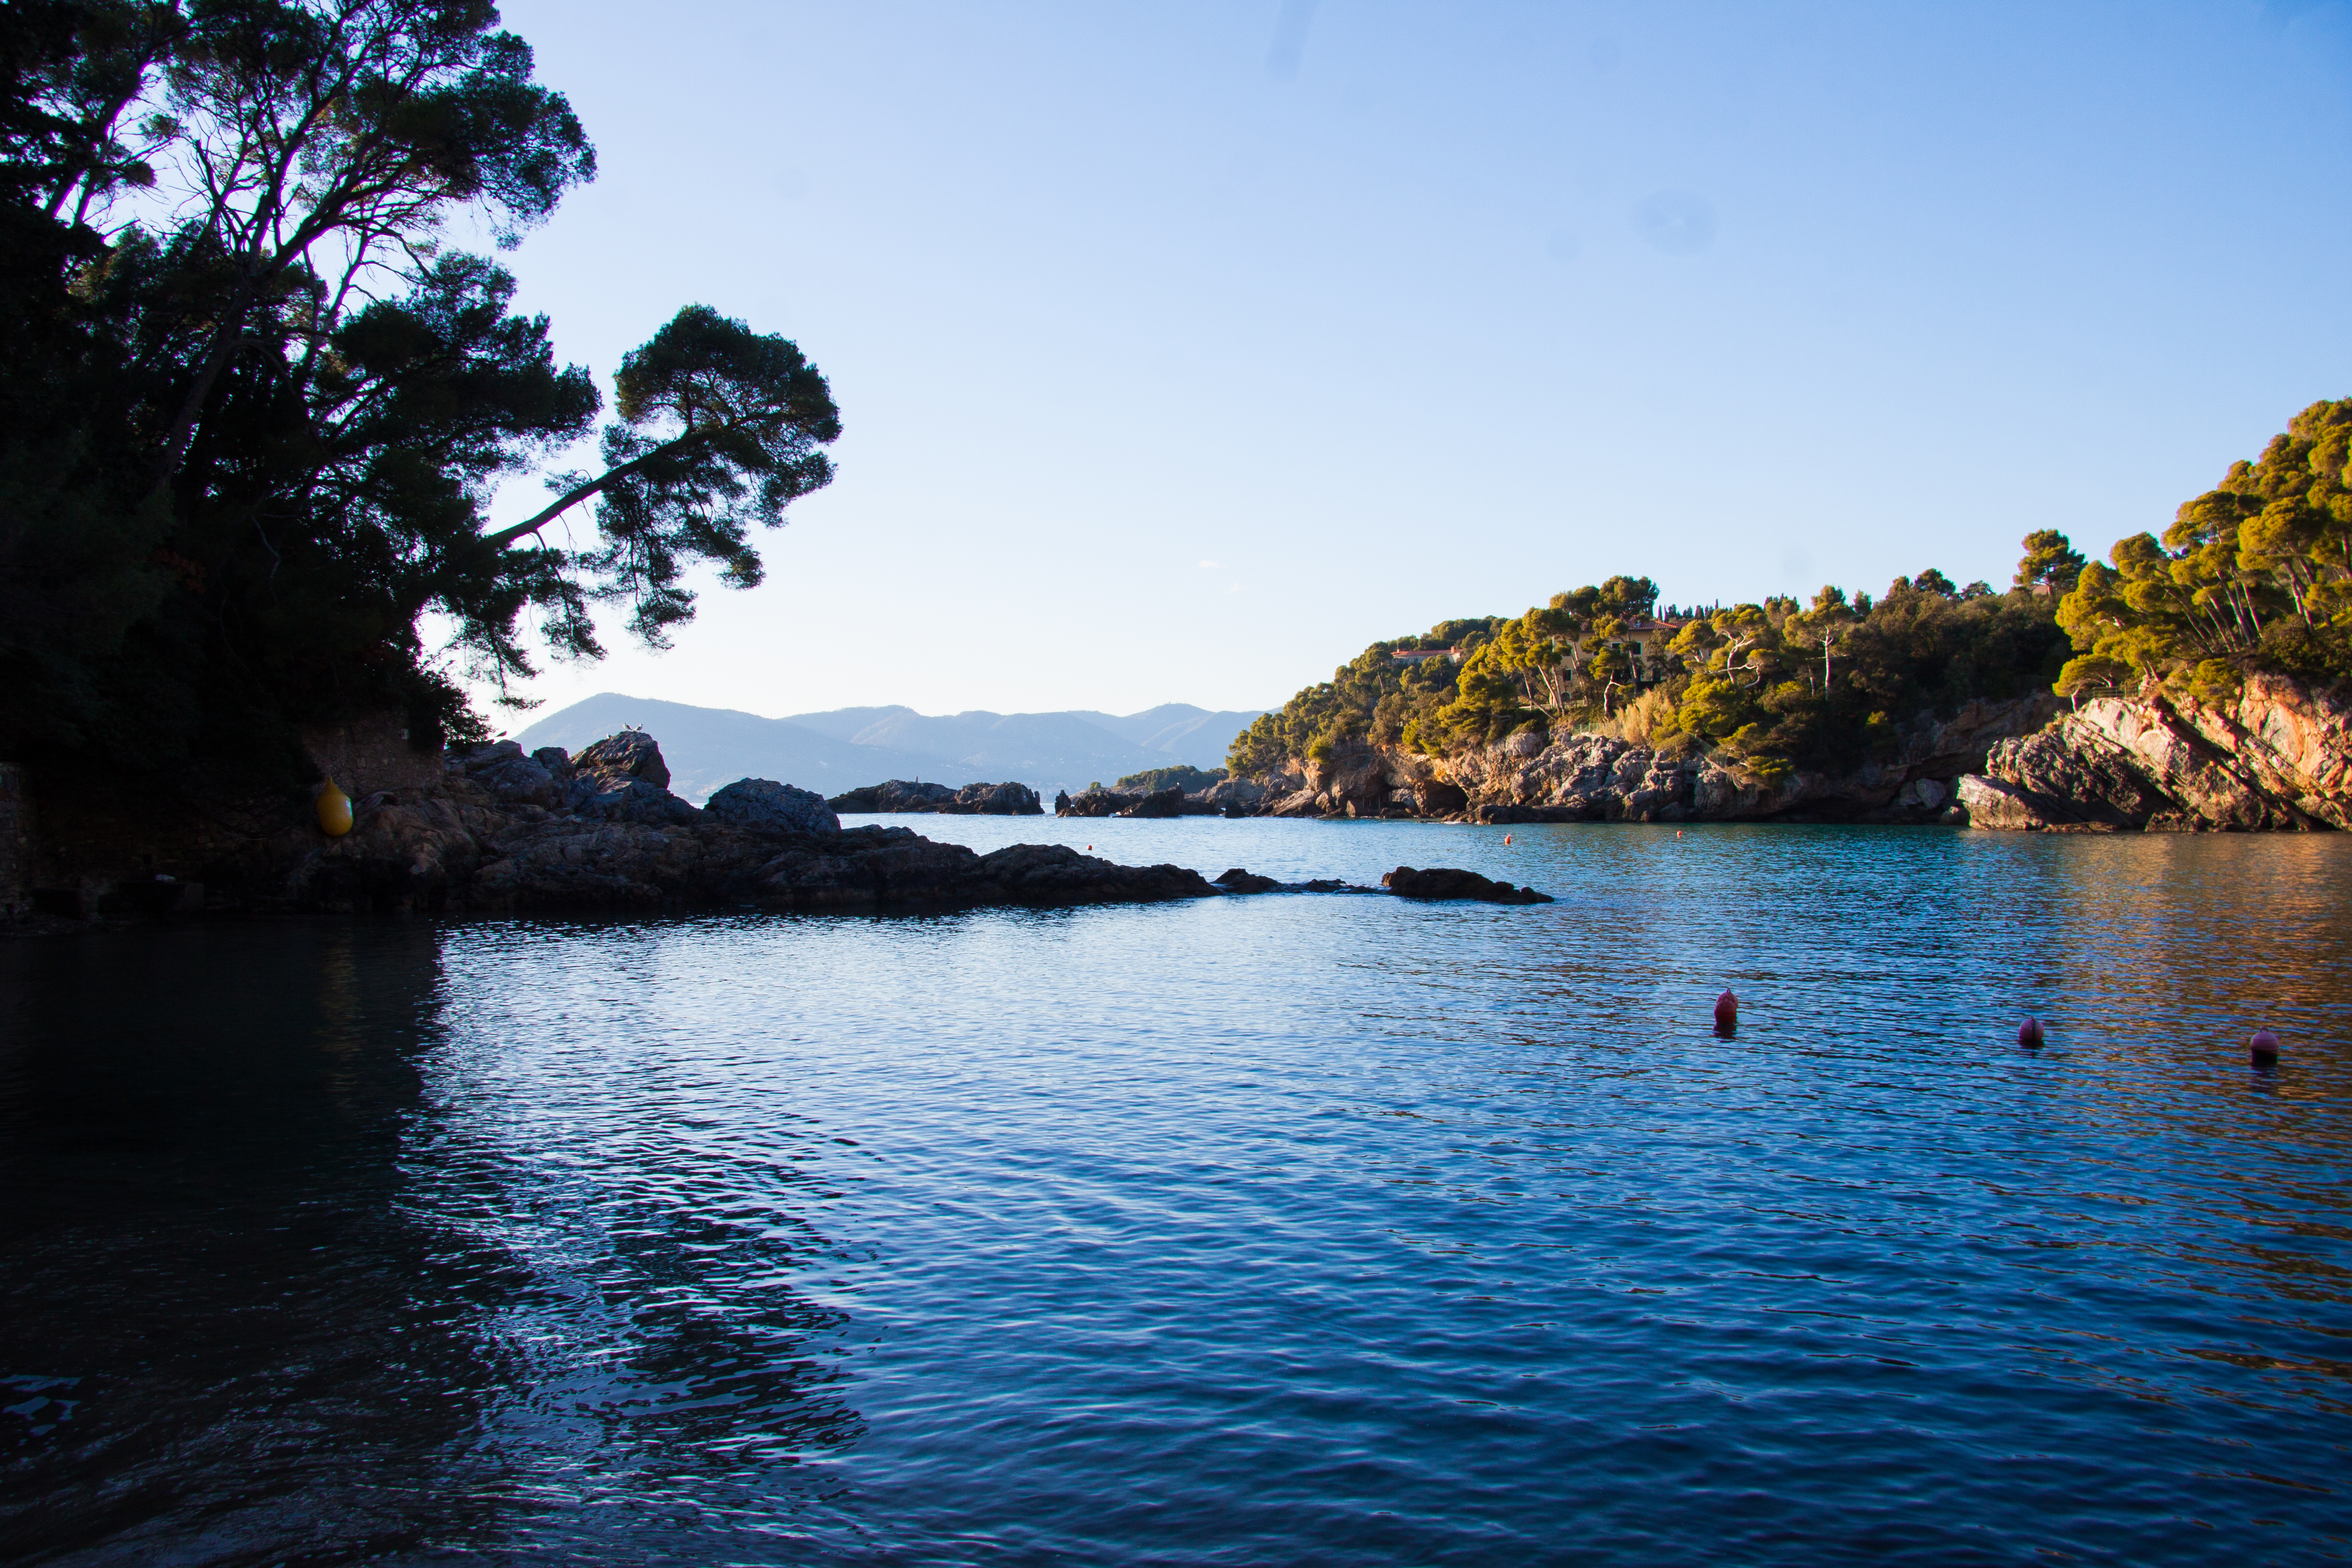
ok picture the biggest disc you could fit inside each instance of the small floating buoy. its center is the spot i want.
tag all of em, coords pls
(1678, 832)
(1506, 838)
(334, 810)
(1727, 1014)
(2029, 1034)
(2264, 1049)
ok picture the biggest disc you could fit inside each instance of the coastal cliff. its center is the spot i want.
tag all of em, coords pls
(2276, 755)
(1584, 777)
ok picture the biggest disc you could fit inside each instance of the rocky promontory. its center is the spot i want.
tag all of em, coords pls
(601, 830)
(495, 830)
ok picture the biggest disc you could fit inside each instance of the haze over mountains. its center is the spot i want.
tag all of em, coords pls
(832, 751)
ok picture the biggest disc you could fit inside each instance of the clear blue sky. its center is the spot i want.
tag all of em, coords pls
(1185, 349)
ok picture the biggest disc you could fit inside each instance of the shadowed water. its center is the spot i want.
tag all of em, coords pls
(1289, 1229)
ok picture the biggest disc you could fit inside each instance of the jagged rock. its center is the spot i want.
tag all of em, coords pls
(1006, 799)
(892, 795)
(1991, 804)
(977, 799)
(555, 759)
(763, 803)
(1162, 803)
(1097, 803)
(1301, 803)
(1449, 882)
(2070, 776)
(1226, 793)
(502, 769)
(615, 797)
(631, 753)
(2172, 764)
(1239, 880)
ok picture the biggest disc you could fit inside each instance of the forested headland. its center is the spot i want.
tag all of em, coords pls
(2254, 575)
(258, 396)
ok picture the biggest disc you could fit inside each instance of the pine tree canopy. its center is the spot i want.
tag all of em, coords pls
(256, 405)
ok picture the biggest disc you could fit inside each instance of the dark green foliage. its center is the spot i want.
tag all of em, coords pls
(250, 423)
(1370, 697)
(1775, 683)
(1183, 776)
(2256, 574)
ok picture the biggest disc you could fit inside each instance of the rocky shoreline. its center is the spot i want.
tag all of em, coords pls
(1532, 777)
(495, 831)
(2278, 757)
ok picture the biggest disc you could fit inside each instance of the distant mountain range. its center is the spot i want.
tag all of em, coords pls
(830, 753)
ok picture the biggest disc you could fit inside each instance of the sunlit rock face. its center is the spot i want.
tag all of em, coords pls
(1529, 777)
(2279, 757)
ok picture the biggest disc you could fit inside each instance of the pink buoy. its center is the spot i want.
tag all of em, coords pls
(2264, 1048)
(1727, 1014)
(2029, 1034)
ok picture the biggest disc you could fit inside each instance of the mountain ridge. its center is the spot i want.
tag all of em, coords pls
(845, 748)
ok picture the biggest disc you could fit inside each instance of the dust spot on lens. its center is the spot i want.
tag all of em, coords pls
(1679, 223)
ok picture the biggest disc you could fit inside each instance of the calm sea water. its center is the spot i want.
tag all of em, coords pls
(1286, 1230)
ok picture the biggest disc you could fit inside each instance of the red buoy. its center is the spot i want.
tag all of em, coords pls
(1727, 1014)
(2029, 1034)
(2264, 1049)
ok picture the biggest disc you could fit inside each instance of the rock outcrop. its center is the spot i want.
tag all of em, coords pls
(2279, 756)
(1533, 777)
(1440, 882)
(462, 847)
(763, 803)
(1093, 802)
(901, 796)
(1162, 803)
(1227, 797)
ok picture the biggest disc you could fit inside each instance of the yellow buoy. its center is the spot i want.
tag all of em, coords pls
(335, 811)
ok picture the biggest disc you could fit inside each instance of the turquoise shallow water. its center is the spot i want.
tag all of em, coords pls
(1292, 1229)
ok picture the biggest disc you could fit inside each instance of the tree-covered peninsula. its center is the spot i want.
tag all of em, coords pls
(2254, 575)
(258, 397)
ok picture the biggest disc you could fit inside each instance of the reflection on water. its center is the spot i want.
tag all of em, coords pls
(1283, 1229)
